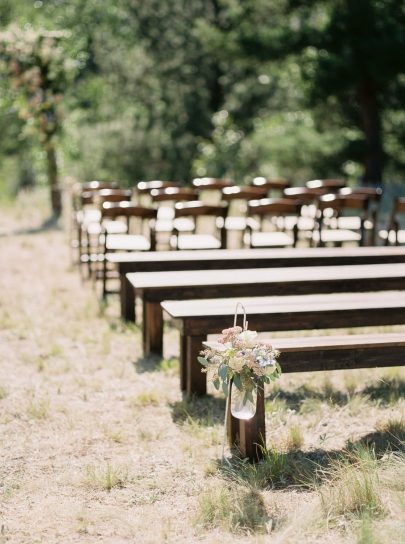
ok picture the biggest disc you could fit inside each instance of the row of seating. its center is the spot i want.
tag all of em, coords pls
(162, 215)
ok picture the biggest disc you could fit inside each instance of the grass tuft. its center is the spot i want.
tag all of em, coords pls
(295, 438)
(353, 486)
(238, 510)
(3, 392)
(147, 398)
(105, 477)
(38, 409)
(275, 470)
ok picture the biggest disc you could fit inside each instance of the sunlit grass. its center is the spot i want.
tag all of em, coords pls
(234, 509)
(352, 487)
(105, 476)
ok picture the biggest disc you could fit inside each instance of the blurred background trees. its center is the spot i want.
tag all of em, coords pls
(174, 89)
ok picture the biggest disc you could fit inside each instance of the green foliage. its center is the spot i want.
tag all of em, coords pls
(213, 87)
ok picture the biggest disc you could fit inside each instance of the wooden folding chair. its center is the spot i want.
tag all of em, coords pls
(331, 209)
(91, 228)
(237, 197)
(139, 237)
(278, 218)
(374, 195)
(209, 189)
(395, 233)
(208, 230)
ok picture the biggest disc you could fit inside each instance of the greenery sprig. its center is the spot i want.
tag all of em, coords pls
(240, 358)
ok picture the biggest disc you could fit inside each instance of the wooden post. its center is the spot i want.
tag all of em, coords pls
(152, 329)
(196, 380)
(127, 296)
(252, 432)
(183, 362)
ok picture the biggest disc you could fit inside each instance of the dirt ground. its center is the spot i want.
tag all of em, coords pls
(97, 445)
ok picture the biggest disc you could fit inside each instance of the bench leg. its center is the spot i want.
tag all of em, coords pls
(249, 435)
(183, 363)
(127, 298)
(195, 379)
(152, 328)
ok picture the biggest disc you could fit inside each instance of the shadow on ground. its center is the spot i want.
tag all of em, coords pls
(304, 470)
(204, 411)
(156, 364)
(52, 223)
(386, 391)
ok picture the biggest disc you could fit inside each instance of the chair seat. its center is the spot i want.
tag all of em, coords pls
(271, 239)
(304, 223)
(182, 224)
(111, 227)
(337, 236)
(127, 242)
(351, 223)
(195, 241)
(240, 223)
(383, 234)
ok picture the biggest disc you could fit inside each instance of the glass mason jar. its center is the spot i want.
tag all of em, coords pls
(241, 406)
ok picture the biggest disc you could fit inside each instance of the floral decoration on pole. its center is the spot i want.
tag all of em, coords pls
(39, 71)
(241, 360)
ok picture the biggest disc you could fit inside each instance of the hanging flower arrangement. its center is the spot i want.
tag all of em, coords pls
(241, 360)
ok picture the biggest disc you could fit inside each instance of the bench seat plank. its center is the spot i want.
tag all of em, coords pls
(199, 318)
(127, 262)
(154, 287)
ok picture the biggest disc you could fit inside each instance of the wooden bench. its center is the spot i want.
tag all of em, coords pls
(195, 319)
(309, 354)
(241, 258)
(154, 287)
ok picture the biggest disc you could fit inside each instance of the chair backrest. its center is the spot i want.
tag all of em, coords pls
(83, 193)
(127, 209)
(329, 184)
(342, 203)
(214, 184)
(271, 184)
(304, 194)
(196, 208)
(247, 192)
(373, 193)
(274, 207)
(97, 185)
(145, 187)
(112, 195)
(173, 194)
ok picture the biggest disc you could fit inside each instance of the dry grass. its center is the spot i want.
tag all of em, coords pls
(99, 445)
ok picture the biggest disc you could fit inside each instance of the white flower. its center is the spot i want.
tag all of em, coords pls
(236, 363)
(270, 368)
(249, 338)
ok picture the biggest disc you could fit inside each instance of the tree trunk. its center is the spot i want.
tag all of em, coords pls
(371, 124)
(56, 196)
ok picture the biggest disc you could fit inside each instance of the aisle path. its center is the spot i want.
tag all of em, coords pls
(73, 407)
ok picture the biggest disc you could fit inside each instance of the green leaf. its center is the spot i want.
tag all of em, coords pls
(225, 388)
(216, 383)
(203, 361)
(223, 372)
(237, 381)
